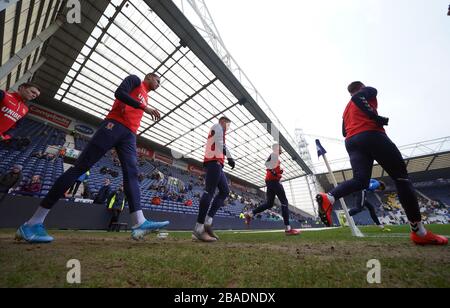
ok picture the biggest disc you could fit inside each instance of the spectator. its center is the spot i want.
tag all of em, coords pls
(34, 186)
(18, 144)
(11, 180)
(156, 201)
(103, 193)
(114, 173)
(50, 157)
(38, 154)
(165, 197)
(141, 177)
(62, 152)
(116, 204)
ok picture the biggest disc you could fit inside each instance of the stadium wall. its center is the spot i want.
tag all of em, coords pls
(15, 210)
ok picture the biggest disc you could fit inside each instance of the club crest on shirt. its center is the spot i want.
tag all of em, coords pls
(110, 126)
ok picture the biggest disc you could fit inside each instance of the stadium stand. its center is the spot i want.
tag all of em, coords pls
(175, 187)
(431, 200)
(48, 167)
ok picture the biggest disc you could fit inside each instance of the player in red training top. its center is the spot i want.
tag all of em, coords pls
(117, 131)
(366, 141)
(13, 107)
(214, 162)
(274, 189)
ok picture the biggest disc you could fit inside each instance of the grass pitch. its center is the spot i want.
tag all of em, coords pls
(331, 258)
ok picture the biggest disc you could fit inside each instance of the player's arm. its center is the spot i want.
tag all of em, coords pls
(221, 149)
(153, 112)
(14, 128)
(361, 100)
(217, 133)
(126, 87)
(123, 94)
(271, 163)
(230, 158)
(227, 152)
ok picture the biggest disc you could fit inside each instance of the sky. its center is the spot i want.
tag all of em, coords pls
(302, 54)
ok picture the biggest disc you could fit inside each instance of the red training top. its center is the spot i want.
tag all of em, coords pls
(12, 110)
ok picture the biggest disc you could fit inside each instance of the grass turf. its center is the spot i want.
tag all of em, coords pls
(331, 258)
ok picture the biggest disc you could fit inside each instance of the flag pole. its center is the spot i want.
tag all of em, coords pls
(355, 230)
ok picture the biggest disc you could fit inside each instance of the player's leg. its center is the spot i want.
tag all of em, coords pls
(127, 153)
(281, 194)
(373, 213)
(270, 201)
(390, 158)
(33, 231)
(217, 203)
(362, 163)
(360, 199)
(212, 179)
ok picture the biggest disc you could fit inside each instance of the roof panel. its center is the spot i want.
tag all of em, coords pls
(191, 97)
(441, 161)
(419, 164)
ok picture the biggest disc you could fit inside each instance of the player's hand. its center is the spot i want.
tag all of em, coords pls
(231, 163)
(383, 121)
(156, 116)
(4, 137)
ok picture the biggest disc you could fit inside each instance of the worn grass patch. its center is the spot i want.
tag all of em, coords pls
(329, 258)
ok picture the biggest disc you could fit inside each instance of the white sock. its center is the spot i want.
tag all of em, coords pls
(137, 219)
(208, 221)
(418, 228)
(199, 228)
(38, 217)
(381, 226)
(288, 228)
(331, 198)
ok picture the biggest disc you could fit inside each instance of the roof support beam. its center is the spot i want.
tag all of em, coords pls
(99, 40)
(22, 54)
(181, 104)
(431, 162)
(27, 76)
(193, 129)
(181, 26)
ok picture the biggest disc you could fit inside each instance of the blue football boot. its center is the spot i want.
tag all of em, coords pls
(147, 227)
(33, 234)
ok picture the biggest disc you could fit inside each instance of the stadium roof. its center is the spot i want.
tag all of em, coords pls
(84, 63)
(24, 29)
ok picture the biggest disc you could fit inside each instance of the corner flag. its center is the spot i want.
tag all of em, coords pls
(320, 149)
(322, 152)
